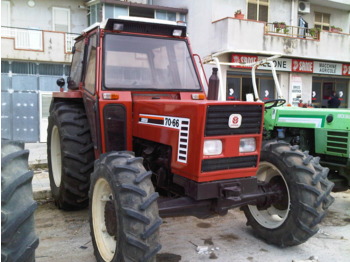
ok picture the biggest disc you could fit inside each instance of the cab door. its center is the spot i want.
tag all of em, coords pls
(90, 86)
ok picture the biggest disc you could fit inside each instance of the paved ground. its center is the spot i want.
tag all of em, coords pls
(65, 236)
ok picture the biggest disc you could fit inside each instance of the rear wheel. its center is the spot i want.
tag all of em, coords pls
(124, 217)
(18, 238)
(293, 219)
(70, 154)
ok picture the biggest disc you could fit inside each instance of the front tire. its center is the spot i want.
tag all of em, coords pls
(70, 154)
(306, 195)
(124, 217)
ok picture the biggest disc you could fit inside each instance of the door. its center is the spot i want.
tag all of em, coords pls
(328, 88)
(89, 96)
(247, 87)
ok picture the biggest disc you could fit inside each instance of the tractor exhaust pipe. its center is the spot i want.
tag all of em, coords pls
(213, 86)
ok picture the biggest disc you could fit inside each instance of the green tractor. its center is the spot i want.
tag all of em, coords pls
(320, 132)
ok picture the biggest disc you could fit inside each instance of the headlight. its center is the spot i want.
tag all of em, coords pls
(247, 145)
(212, 147)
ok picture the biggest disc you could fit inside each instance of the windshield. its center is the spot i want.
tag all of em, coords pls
(134, 62)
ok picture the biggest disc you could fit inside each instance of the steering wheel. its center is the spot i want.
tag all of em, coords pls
(275, 102)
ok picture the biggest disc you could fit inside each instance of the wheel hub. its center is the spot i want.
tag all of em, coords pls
(272, 210)
(277, 185)
(110, 218)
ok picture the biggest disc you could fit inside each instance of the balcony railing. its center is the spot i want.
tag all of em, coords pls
(33, 39)
(292, 31)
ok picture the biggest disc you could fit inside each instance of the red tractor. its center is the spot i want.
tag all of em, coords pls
(135, 124)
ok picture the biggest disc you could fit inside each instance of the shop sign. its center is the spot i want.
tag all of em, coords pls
(280, 64)
(327, 68)
(296, 90)
(292, 65)
(302, 66)
(346, 70)
(243, 59)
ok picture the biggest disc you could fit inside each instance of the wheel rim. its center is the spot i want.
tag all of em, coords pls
(106, 243)
(275, 215)
(56, 160)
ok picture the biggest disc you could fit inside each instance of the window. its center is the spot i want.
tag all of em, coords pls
(141, 12)
(77, 65)
(240, 84)
(322, 21)
(233, 91)
(165, 15)
(157, 63)
(5, 67)
(90, 74)
(322, 88)
(113, 11)
(50, 69)
(5, 13)
(25, 68)
(95, 14)
(60, 19)
(258, 10)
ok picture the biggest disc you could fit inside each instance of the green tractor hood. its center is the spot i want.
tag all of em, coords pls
(335, 119)
(331, 126)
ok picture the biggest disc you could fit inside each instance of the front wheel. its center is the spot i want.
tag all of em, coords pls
(305, 199)
(124, 217)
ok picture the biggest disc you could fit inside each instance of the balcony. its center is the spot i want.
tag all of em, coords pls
(281, 29)
(36, 45)
(253, 36)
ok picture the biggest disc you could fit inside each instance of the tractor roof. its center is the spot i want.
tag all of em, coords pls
(141, 25)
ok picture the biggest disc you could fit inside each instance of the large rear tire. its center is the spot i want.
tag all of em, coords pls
(294, 218)
(18, 238)
(124, 216)
(70, 154)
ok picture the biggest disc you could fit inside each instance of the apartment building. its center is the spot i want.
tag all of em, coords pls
(311, 37)
(36, 44)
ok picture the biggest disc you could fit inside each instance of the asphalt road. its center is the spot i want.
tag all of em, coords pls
(65, 236)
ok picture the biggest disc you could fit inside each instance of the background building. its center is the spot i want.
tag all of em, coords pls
(36, 42)
(312, 37)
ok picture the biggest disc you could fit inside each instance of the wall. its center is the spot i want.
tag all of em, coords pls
(280, 11)
(53, 49)
(235, 34)
(40, 16)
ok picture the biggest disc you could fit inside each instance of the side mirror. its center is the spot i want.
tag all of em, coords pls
(61, 82)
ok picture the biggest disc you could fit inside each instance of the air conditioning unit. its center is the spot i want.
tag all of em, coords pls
(304, 7)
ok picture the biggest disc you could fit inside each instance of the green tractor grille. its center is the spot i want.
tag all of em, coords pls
(337, 142)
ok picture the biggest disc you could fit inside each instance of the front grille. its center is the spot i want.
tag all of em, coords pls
(218, 117)
(337, 142)
(229, 163)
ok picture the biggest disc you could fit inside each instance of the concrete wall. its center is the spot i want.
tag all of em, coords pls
(40, 16)
(234, 34)
(53, 49)
(280, 11)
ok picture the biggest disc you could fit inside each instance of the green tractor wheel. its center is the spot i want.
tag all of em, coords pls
(306, 195)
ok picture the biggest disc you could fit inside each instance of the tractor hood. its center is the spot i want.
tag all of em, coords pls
(336, 119)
